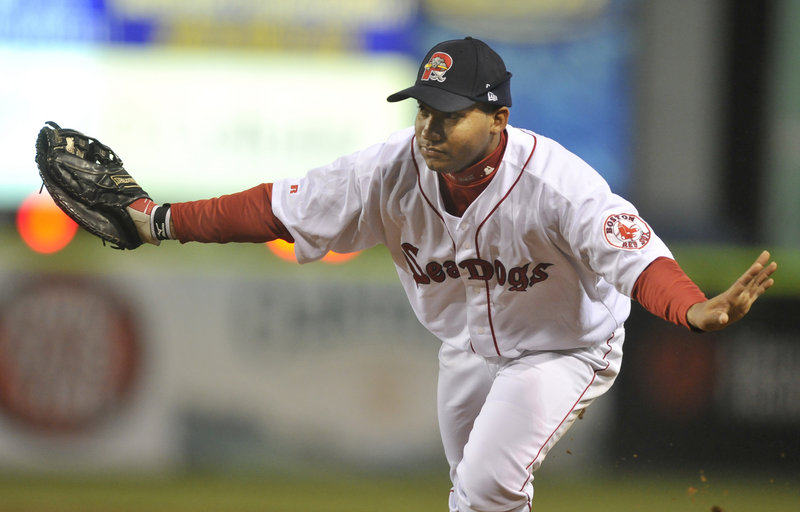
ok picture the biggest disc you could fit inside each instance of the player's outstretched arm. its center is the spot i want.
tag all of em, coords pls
(732, 304)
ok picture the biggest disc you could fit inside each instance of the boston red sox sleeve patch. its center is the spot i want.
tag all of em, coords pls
(626, 231)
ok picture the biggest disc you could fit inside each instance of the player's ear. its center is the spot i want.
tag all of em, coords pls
(500, 119)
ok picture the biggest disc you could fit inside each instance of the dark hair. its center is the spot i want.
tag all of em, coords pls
(488, 108)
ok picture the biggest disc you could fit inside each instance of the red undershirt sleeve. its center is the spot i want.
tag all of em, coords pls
(666, 291)
(241, 217)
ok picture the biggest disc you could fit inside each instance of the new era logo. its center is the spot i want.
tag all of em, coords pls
(492, 96)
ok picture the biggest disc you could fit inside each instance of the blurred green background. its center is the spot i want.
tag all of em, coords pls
(223, 377)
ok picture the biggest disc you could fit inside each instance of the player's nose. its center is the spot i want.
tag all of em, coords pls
(432, 130)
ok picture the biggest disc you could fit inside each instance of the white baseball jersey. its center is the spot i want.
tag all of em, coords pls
(544, 259)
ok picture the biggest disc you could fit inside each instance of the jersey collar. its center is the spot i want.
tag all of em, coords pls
(482, 171)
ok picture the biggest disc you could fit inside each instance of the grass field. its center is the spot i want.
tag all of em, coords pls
(674, 493)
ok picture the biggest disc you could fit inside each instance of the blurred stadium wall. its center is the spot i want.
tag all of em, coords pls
(228, 357)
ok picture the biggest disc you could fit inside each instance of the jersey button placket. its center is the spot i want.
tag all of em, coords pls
(464, 241)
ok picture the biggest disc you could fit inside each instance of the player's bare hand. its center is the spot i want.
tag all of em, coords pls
(732, 304)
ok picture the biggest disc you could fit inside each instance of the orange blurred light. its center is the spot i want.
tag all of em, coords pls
(42, 225)
(338, 257)
(282, 249)
(285, 251)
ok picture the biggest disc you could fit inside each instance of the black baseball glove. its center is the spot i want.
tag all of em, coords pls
(87, 180)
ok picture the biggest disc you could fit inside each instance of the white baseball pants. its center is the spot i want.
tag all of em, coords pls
(499, 418)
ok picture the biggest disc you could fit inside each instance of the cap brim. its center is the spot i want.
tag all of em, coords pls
(434, 97)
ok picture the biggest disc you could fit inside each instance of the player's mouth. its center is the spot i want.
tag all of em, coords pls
(432, 152)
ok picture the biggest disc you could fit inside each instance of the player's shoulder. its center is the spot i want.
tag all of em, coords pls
(395, 148)
(542, 150)
(402, 137)
(547, 161)
(376, 156)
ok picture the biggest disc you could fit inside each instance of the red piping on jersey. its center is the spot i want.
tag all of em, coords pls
(477, 246)
(422, 191)
(594, 376)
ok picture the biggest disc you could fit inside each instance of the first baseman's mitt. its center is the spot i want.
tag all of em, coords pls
(86, 180)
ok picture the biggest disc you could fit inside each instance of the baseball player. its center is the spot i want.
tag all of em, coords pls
(513, 252)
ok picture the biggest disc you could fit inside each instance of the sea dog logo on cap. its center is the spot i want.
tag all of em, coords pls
(436, 67)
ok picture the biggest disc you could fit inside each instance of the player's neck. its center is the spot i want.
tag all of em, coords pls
(480, 170)
(456, 195)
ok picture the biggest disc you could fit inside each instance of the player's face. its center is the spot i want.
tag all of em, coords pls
(452, 141)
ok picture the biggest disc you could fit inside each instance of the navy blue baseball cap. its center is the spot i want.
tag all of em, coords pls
(458, 73)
